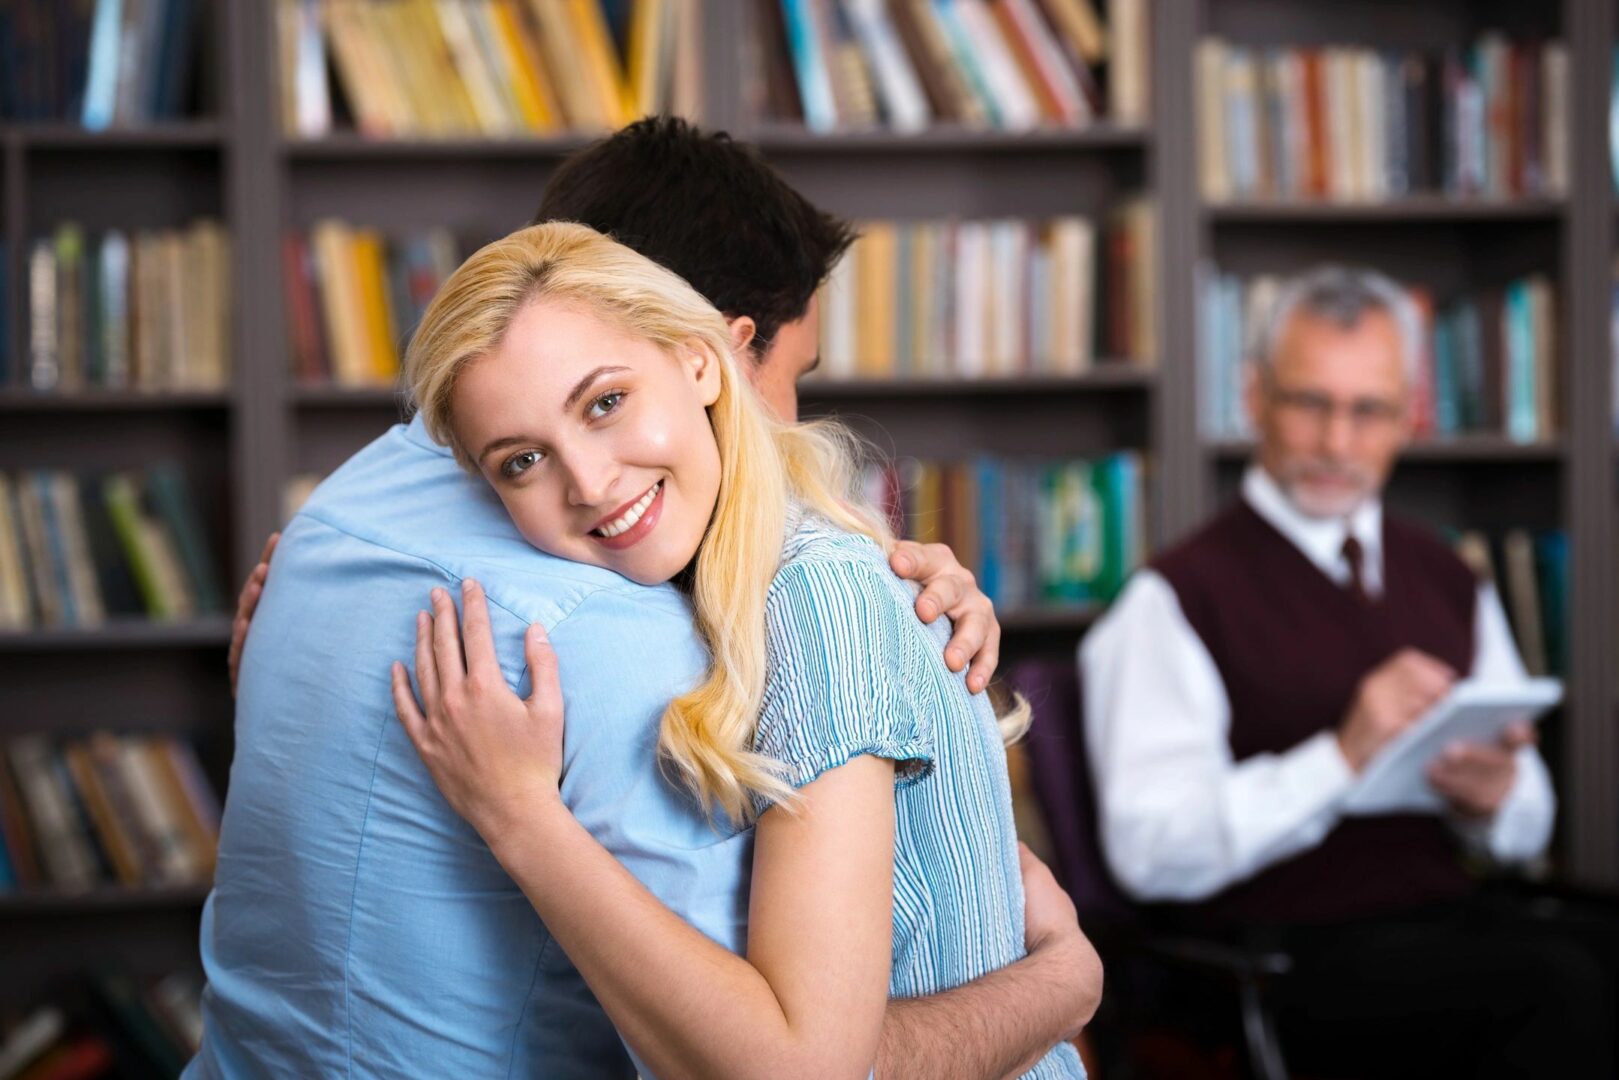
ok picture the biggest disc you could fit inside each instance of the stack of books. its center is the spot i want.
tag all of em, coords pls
(1530, 569)
(104, 810)
(78, 550)
(1357, 124)
(100, 63)
(148, 311)
(154, 1026)
(487, 68)
(354, 296)
(987, 299)
(1488, 360)
(1035, 533)
(1015, 65)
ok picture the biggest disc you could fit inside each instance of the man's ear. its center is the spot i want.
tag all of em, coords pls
(704, 367)
(743, 329)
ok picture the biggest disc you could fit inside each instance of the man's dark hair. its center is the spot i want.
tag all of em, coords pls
(710, 210)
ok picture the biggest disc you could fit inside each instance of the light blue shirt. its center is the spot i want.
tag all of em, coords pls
(358, 927)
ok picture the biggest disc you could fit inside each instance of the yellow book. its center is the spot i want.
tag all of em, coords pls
(372, 275)
(606, 74)
(481, 14)
(642, 71)
(523, 59)
(450, 93)
(333, 243)
(398, 49)
(878, 301)
(580, 104)
(488, 100)
(372, 41)
(354, 71)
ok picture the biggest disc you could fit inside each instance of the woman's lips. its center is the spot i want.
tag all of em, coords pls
(637, 532)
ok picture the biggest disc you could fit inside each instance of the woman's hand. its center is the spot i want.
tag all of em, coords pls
(496, 757)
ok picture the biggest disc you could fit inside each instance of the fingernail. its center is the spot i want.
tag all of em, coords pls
(925, 609)
(537, 630)
(952, 656)
(902, 564)
(437, 594)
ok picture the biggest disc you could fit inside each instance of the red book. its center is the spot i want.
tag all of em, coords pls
(85, 1058)
(1315, 124)
(303, 320)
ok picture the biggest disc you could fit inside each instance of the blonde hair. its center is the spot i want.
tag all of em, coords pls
(707, 734)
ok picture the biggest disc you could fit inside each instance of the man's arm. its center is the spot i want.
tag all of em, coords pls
(1000, 1025)
(1500, 794)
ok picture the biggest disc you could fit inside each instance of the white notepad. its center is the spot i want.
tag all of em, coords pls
(1395, 780)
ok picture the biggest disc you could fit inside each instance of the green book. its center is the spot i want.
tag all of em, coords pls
(170, 498)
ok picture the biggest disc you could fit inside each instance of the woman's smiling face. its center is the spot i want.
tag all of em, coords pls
(598, 442)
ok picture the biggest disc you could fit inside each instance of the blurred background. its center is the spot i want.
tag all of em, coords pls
(219, 220)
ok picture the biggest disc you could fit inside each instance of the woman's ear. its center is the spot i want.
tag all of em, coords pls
(704, 367)
(743, 330)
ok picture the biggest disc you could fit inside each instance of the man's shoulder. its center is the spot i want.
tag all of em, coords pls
(399, 504)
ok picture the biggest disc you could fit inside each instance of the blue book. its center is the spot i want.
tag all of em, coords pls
(987, 479)
(1447, 420)
(810, 66)
(1522, 412)
(56, 539)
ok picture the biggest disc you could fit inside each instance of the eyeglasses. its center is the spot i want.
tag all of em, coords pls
(1318, 409)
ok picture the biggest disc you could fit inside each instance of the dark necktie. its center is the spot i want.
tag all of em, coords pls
(1356, 558)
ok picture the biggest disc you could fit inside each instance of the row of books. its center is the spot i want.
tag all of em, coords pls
(1360, 124)
(1530, 570)
(77, 550)
(119, 810)
(1487, 360)
(149, 311)
(1034, 532)
(111, 1024)
(353, 296)
(905, 64)
(101, 63)
(969, 299)
(487, 67)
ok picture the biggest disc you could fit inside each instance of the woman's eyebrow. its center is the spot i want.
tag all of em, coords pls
(584, 384)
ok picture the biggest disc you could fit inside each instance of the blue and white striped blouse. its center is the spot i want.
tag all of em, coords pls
(852, 671)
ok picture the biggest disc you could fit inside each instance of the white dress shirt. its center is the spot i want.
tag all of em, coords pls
(1181, 820)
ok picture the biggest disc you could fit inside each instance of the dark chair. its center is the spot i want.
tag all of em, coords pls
(1122, 929)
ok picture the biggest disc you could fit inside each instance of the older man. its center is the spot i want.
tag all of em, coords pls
(1248, 675)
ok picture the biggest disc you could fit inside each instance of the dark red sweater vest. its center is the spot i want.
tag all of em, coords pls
(1291, 646)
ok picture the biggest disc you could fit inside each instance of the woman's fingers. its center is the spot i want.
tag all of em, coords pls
(426, 668)
(405, 705)
(447, 643)
(477, 637)
(545, 695)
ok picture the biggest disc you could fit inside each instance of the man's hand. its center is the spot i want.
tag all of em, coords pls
(1051, 922)
(247, 602)
(1477, 777)
(948, 588)
(1390, 698)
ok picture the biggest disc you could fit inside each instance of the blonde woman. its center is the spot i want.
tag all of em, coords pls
(596, 393)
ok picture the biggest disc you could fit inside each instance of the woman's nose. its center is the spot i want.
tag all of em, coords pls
(590, 481)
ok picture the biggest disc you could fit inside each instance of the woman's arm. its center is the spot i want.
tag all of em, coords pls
(809, 997)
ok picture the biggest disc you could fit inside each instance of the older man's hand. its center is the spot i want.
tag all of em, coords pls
(1475, 778)
(1391, 697)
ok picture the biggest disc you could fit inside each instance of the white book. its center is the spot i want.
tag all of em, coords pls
(904, 104)
(313, 94)
(44, 367)
(114, 297)
(972, 296)
(1074, 250)
(1554, 117)
(838, 332)
(1014, 100)
(1213, 166)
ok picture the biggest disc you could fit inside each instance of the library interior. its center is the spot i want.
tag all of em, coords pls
(1127, 303)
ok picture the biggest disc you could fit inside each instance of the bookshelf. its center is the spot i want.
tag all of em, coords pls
(242, 446)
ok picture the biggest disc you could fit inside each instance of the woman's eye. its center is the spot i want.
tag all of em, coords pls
(520, 463)
(604, 404)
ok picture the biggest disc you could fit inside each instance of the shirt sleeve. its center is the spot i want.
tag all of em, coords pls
(1180, 819)
(839, 649)
(1522, 827)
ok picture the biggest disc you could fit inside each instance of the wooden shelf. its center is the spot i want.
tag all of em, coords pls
(212, 631)
(791, 138)
(1104, 377)
(316, 396)
(1465, 449)
(14, 399)
(99, 899)
(185, 134)
(1414, 208)
(350, 146)
(1049, 617)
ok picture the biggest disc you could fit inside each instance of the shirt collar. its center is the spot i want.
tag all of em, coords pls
(416, 432)
(1320, 539)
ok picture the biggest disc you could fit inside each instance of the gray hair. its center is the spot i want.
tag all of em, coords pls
(1341, 295)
